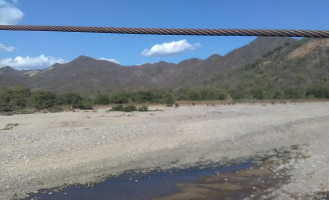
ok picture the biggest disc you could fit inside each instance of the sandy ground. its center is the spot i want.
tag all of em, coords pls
(46, 150)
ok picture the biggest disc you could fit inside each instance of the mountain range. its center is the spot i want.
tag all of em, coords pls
(266, 62)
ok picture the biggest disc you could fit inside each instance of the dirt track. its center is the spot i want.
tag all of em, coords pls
(47, 150)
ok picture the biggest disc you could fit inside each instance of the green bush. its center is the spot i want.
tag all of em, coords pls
(168, 99)
(222, 95)
(129, 108)
(318, 92)
(117, 108)
(119, 99)
(102, 100)
(142, 97)
(43, 100)
(237, 94)
(83, 105)
(72, 99)
(14, 99)
(278, 95)
(193, 94)
(295, 93)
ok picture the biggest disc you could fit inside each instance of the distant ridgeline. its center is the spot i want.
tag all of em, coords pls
(267, 68)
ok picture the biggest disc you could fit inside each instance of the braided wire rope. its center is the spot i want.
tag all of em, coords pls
(167, 31)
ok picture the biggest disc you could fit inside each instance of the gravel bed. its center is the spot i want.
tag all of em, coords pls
(48, 150)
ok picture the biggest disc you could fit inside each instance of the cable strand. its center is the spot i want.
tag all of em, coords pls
(167, 31)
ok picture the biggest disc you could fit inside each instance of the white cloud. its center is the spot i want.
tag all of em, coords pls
(9, 14)
(171, 48)
(110, 60)
(28, 63)
(5, 48)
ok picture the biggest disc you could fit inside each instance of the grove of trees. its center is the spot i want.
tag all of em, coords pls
(20, 98)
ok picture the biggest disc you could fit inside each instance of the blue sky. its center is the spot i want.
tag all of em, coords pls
(31, 50)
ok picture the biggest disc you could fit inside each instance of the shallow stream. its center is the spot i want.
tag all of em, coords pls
(139, 186)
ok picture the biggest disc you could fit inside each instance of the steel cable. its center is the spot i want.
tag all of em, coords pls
(167, 31)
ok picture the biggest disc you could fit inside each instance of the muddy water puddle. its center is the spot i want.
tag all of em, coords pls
(254, 178)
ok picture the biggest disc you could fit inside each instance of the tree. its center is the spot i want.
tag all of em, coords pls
(295, 93)
(168, 99)
(119, 99)
(193, 94)
(72, 98)
(222, 95)
(238, 93)
(318, 91)
(143, 97)
(102, 100)
(14, 99)
(43, 99)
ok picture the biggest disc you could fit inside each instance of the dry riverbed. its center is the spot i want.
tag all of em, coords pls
(48, 150)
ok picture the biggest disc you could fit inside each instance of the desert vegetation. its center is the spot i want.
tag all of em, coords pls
(23, 99)
(20, 99)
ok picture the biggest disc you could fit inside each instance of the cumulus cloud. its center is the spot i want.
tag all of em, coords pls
(110, 60)
(171, 48)
(9, 14)
(28, 63)
(6, 48)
